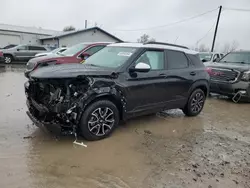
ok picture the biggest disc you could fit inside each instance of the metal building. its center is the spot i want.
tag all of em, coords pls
(10, 34)
(93, 34)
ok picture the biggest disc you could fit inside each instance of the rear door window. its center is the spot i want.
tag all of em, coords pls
(22, 48)
(176, 60)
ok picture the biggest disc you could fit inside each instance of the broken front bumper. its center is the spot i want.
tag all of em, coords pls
(52, 127)
(31, 104)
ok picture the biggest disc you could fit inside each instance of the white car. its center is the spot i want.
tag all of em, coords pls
(55, 51)
(210, 56)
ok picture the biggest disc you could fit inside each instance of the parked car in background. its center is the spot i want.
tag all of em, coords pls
(210, 56)
(119, 82)
(21, 52)
(9, 46)
(75, 54)
(1, 56)
(55, 51)
(231, 76)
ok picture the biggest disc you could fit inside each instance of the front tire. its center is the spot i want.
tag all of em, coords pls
(99, 120)
(8, 59)
(195, 103)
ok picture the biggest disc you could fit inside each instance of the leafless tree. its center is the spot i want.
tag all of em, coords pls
(69, 28)
(145, 38)
(230, 47)
(203, 48)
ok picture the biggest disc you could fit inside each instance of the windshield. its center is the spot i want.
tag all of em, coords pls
(111, 56)
(10, 46)
(55, 50)
(205, 56)
(236, 57)
(74, 49)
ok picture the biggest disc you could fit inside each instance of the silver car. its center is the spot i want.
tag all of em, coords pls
(55, 51)
(22, 52)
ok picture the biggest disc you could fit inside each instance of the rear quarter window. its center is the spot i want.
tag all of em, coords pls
(195, 60)
(176, 60)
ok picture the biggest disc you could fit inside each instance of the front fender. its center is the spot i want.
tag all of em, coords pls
(107, 93)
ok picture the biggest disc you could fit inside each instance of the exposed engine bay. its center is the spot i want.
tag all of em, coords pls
(57, 100)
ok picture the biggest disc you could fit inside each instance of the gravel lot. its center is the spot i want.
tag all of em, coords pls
(162, 150)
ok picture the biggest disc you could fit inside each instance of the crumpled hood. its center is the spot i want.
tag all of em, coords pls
(235, 66)
(70, 71)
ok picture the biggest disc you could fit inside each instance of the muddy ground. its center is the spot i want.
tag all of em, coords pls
(163, 150)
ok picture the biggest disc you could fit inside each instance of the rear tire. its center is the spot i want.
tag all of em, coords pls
(8, 59)
(195, 103)
(99, 120)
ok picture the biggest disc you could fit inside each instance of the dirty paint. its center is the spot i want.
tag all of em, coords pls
(162, 150)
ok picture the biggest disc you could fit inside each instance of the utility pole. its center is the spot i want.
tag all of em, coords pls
(216, 28)
(86, 24)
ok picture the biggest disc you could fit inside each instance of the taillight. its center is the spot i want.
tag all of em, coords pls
(1, 53)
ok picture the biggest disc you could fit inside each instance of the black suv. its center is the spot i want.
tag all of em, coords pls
(119, 82)
(231, 76)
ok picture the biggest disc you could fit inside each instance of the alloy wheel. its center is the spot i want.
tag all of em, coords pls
(197, 102)
(7, 59)
(101, 121)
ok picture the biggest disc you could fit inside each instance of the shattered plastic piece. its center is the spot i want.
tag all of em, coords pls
(76, 142)
(79, 143)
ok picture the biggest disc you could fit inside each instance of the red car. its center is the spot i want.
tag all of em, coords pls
(75, 54)
(1, 56)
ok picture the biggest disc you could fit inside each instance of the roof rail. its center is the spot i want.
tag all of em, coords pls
(162, 43)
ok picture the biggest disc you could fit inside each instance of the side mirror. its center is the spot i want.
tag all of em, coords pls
(84, 56)
(17, 49)
(204, 60)
(140, 67)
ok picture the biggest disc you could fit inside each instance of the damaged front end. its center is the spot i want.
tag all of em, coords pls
(57, 103)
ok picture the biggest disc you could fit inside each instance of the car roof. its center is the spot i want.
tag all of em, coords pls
(158, 46)
(91, 43)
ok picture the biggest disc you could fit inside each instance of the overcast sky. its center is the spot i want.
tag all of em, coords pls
(116, 15)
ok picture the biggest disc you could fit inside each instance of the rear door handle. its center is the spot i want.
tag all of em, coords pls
(163, 75)
(192, 73)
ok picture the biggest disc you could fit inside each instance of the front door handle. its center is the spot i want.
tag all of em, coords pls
(192, 73)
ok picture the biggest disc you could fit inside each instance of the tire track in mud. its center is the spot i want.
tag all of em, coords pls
(211, 158)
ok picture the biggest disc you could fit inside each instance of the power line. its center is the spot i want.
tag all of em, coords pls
(206, 33)
(170, 24)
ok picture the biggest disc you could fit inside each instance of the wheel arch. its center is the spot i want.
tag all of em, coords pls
(9, 54)
(107, 96)
(200, 84)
